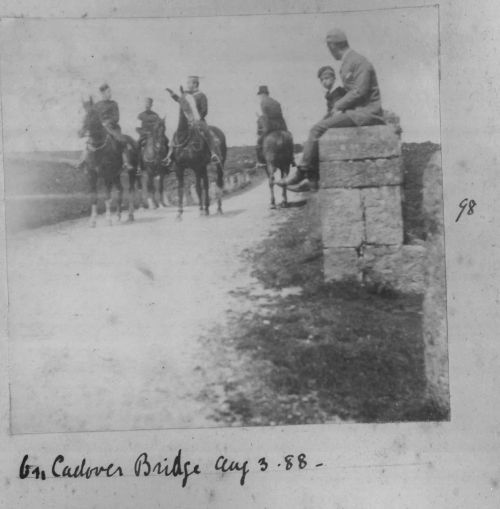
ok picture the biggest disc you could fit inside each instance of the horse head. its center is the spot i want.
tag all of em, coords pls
(91, 121)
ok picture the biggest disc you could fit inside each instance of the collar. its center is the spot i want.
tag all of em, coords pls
(345, 55)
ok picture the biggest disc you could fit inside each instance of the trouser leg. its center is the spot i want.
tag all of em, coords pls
(259, 149)
(211, 141)
(310, 159)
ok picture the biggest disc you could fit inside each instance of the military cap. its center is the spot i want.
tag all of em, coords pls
(336, 35)
(149, 99)
(326, 69)
(263, 90)
(103, 87)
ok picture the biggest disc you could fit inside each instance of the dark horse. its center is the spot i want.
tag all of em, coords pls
(105, 151)
(190, 150)
(278, 154)
(152, 154)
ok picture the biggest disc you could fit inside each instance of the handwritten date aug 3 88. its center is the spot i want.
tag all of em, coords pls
(176, 467)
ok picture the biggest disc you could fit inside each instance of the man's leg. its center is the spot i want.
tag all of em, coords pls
(83, 159)
(211, 141)
(307, 175)
(259, 151)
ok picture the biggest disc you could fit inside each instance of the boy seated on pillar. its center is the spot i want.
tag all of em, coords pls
(360, 105)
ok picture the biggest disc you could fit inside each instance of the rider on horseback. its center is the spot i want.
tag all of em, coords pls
(199, 107)
(270, 120)
(109, 115)
(149, 119)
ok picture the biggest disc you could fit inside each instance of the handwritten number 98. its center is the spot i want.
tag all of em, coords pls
(463, 206)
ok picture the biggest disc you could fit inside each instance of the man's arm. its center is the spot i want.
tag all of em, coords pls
(114, 113)
(362, 72)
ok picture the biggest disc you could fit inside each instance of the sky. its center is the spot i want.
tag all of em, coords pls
(48, 66)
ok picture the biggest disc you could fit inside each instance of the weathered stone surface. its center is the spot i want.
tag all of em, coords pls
(398, 268)
(367, 173)
(341, 264)
(341, 217)
(434, 306)
(377, 141)
(383, 215)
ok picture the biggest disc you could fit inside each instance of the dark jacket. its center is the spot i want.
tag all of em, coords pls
(108, 112)
(148, 119)
(362, 99)
(272, 116)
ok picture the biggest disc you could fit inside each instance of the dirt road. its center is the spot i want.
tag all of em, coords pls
(105, 323)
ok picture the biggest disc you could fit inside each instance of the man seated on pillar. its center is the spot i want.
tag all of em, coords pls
(360, 106)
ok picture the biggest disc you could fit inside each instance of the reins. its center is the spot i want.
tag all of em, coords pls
(95, 149)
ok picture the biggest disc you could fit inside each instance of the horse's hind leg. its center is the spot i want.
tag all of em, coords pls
(180, 190)
(270, 169)
(93, 198)
(219, 189)
(284, 198)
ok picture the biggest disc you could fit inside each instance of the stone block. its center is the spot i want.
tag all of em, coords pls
(398, 268)
(367, 173)
(340, 264)
(383, 214)
(366, 142)
(341, 217)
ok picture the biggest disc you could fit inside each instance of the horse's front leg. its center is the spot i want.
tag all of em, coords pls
(199, 191)
(93, 197)
(206, 191)
(119, 187)
(151, 188)
(180, 190)
(284, 198)
(107, 201)
(131, 194)
(161, 188)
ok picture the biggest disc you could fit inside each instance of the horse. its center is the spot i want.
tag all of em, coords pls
(153, 151)
(277, 149)
(105, 151)
(191, 150)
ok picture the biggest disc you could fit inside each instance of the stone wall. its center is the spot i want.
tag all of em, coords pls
(360, 198)
(434, 305)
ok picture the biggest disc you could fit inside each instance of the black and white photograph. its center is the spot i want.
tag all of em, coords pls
(224, 221)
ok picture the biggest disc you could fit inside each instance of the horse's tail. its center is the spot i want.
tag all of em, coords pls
(132, 149)
(278, 148)
(221, 137)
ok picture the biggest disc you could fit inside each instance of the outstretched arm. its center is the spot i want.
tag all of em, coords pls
(173, 95)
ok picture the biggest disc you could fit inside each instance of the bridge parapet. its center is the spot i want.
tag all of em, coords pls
(360, 198)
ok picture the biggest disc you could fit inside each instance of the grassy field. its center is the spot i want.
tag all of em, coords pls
(334, 351)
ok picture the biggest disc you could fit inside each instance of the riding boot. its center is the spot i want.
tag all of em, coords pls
(294, 178)
(309, 183)
(82, 161)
